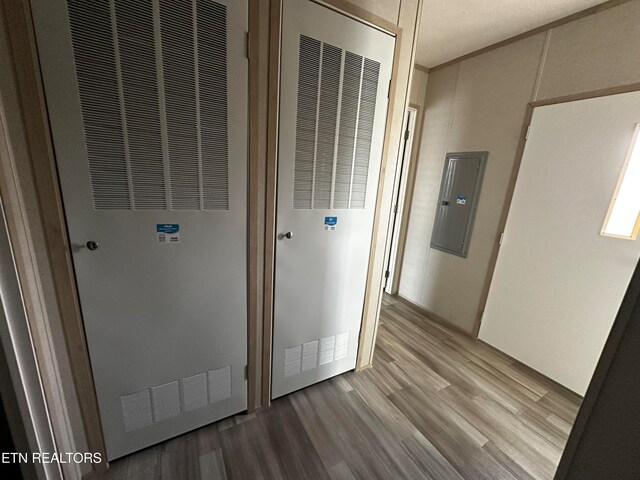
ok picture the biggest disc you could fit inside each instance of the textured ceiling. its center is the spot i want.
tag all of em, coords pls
(452, 28)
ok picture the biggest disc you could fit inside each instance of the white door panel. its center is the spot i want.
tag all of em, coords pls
(147, 102)
(558, 283)
(334, 84)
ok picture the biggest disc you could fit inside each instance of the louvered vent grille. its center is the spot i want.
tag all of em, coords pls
(152, 79)
(348, 122)
(140, 90)
(306, 120)
(370, 73)
(325, 141)
(212, 79)
(337, 93)
(178, 63)
(92, 36)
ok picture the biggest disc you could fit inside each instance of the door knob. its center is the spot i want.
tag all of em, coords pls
(92, 245)
(285, 235)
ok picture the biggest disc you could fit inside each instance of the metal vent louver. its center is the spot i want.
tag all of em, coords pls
(370, 73)
(212, 81)
(136, 51)
(348, 123)
(306, 120)
(152, 80)
(337, 93)
(178, 68)
(326, 137)
(92, 36)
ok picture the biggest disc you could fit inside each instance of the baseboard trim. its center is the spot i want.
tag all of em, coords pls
(443, 321)
(433, 316)
(559, 385)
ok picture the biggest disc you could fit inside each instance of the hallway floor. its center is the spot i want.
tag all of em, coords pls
(436, 405)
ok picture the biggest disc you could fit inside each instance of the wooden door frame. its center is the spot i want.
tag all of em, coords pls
(407, 200)
(21, 386)
(46, 205)
(367, 17)
(253, 198)
(514, 177)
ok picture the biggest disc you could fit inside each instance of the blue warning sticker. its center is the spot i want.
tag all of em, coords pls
(330, 223)
(462, 199)
(168, 232)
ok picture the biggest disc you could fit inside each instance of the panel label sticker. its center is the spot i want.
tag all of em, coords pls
(330, 224)
(462, 199)
(168, 232)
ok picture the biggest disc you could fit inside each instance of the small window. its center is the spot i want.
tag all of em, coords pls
(623, 217)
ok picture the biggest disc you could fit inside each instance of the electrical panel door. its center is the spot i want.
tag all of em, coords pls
(457, 202)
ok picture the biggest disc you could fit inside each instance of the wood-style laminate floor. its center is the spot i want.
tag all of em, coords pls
(436, 405)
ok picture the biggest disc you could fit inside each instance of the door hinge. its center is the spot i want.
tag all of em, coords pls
(526, 135)
(501, 238)
(248, 39)
(395, 208)
(406, 135)
(386, 274)
(246, 372)
(389, 90)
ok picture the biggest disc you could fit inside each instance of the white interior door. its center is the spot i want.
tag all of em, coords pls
(335, 77)
(147, 102)
(558, 283)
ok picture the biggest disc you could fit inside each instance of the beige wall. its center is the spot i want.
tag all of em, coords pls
(480, 104)
(387, 9)
(418, 91)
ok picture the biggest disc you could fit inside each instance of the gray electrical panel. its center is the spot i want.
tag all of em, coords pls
(458, 201)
